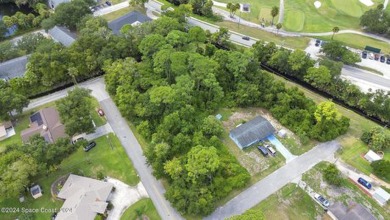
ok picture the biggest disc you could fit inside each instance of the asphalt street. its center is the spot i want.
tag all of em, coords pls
(366, 76)
(275, 181)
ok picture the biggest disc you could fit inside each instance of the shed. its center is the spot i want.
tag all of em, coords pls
(251, 132)
(381, 196)
(282, 133)
(372, 49)
(36, 191)
(371, 156)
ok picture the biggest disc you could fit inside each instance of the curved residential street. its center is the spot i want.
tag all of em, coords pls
(275, 181)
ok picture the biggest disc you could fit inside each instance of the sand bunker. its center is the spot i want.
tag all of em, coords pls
(367, 2)
(317, 4)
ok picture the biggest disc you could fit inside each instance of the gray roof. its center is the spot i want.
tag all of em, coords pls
(55, 3)
(13, 68)
(251, 132)
(130, 18)
(355, 211)
(62, 35)
(85, 197)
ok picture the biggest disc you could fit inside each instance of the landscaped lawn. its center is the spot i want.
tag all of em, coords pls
(290, 202)
(108, 157)
(294, 20)
(359, 41)
(144, 207)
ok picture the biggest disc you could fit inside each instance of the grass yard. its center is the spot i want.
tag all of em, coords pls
(108, 157)
(143, 207)
(347, 192)
(294, 20)
(297, 148)
(301, 15)
(116, 14)
(290, 202)
(359, 41)
(291, 42)
(97, 119)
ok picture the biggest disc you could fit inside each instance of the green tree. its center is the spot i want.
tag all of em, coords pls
(16, 170)
(332, 175)
(70, 13)
(278, 26)
(381, 168)
(140, 3)
(274, 13)
(10, 101)
(335, 30)
(3, 29)
(202, 161)
(211, 127)
(151, 44)
(318, 77)
(232, 8)
(299, 63)
(75, 111)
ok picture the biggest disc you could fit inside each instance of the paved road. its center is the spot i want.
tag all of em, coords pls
(366, 76)
(133, 149)
(275, 181)
(281, 11)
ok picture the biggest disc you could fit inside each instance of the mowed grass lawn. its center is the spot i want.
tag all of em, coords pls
(290, 202)
(116, 14)
(108, 157)
(345, 14)
(359, 41)
(301, 15)
(143, 207)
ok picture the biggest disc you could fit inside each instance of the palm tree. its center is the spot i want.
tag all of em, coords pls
(274, 13)
(335, 30)
(278, 26)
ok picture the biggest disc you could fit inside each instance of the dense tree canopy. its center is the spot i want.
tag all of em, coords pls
(10, 101)
(75, 111)
(376, 20)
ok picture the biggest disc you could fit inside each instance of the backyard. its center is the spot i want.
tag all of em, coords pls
(108, 158)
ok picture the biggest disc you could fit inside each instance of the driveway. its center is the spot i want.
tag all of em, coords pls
(281, 149)
(123, 197)
(100, 131)
(275, 181)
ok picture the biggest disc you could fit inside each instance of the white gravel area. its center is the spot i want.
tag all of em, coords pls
(123, 197)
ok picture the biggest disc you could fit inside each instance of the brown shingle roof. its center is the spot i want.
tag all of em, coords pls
(51, 129)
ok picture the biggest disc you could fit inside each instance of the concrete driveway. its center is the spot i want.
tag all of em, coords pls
(275, 181)
(281, 148)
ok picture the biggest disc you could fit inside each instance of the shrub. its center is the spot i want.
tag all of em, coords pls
(381, 168)
(332, 175)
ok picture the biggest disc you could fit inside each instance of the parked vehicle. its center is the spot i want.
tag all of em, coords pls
(77, 140)
(376, 57)
(318, 42)
(108, 3)
(371, 56)
(388, 60)
(101, 112)
(272, 150)
(322, 200)
(364, 54)
(263, 150)
(365, 183)
(382, 59)
(90, 146)
(245, 38)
